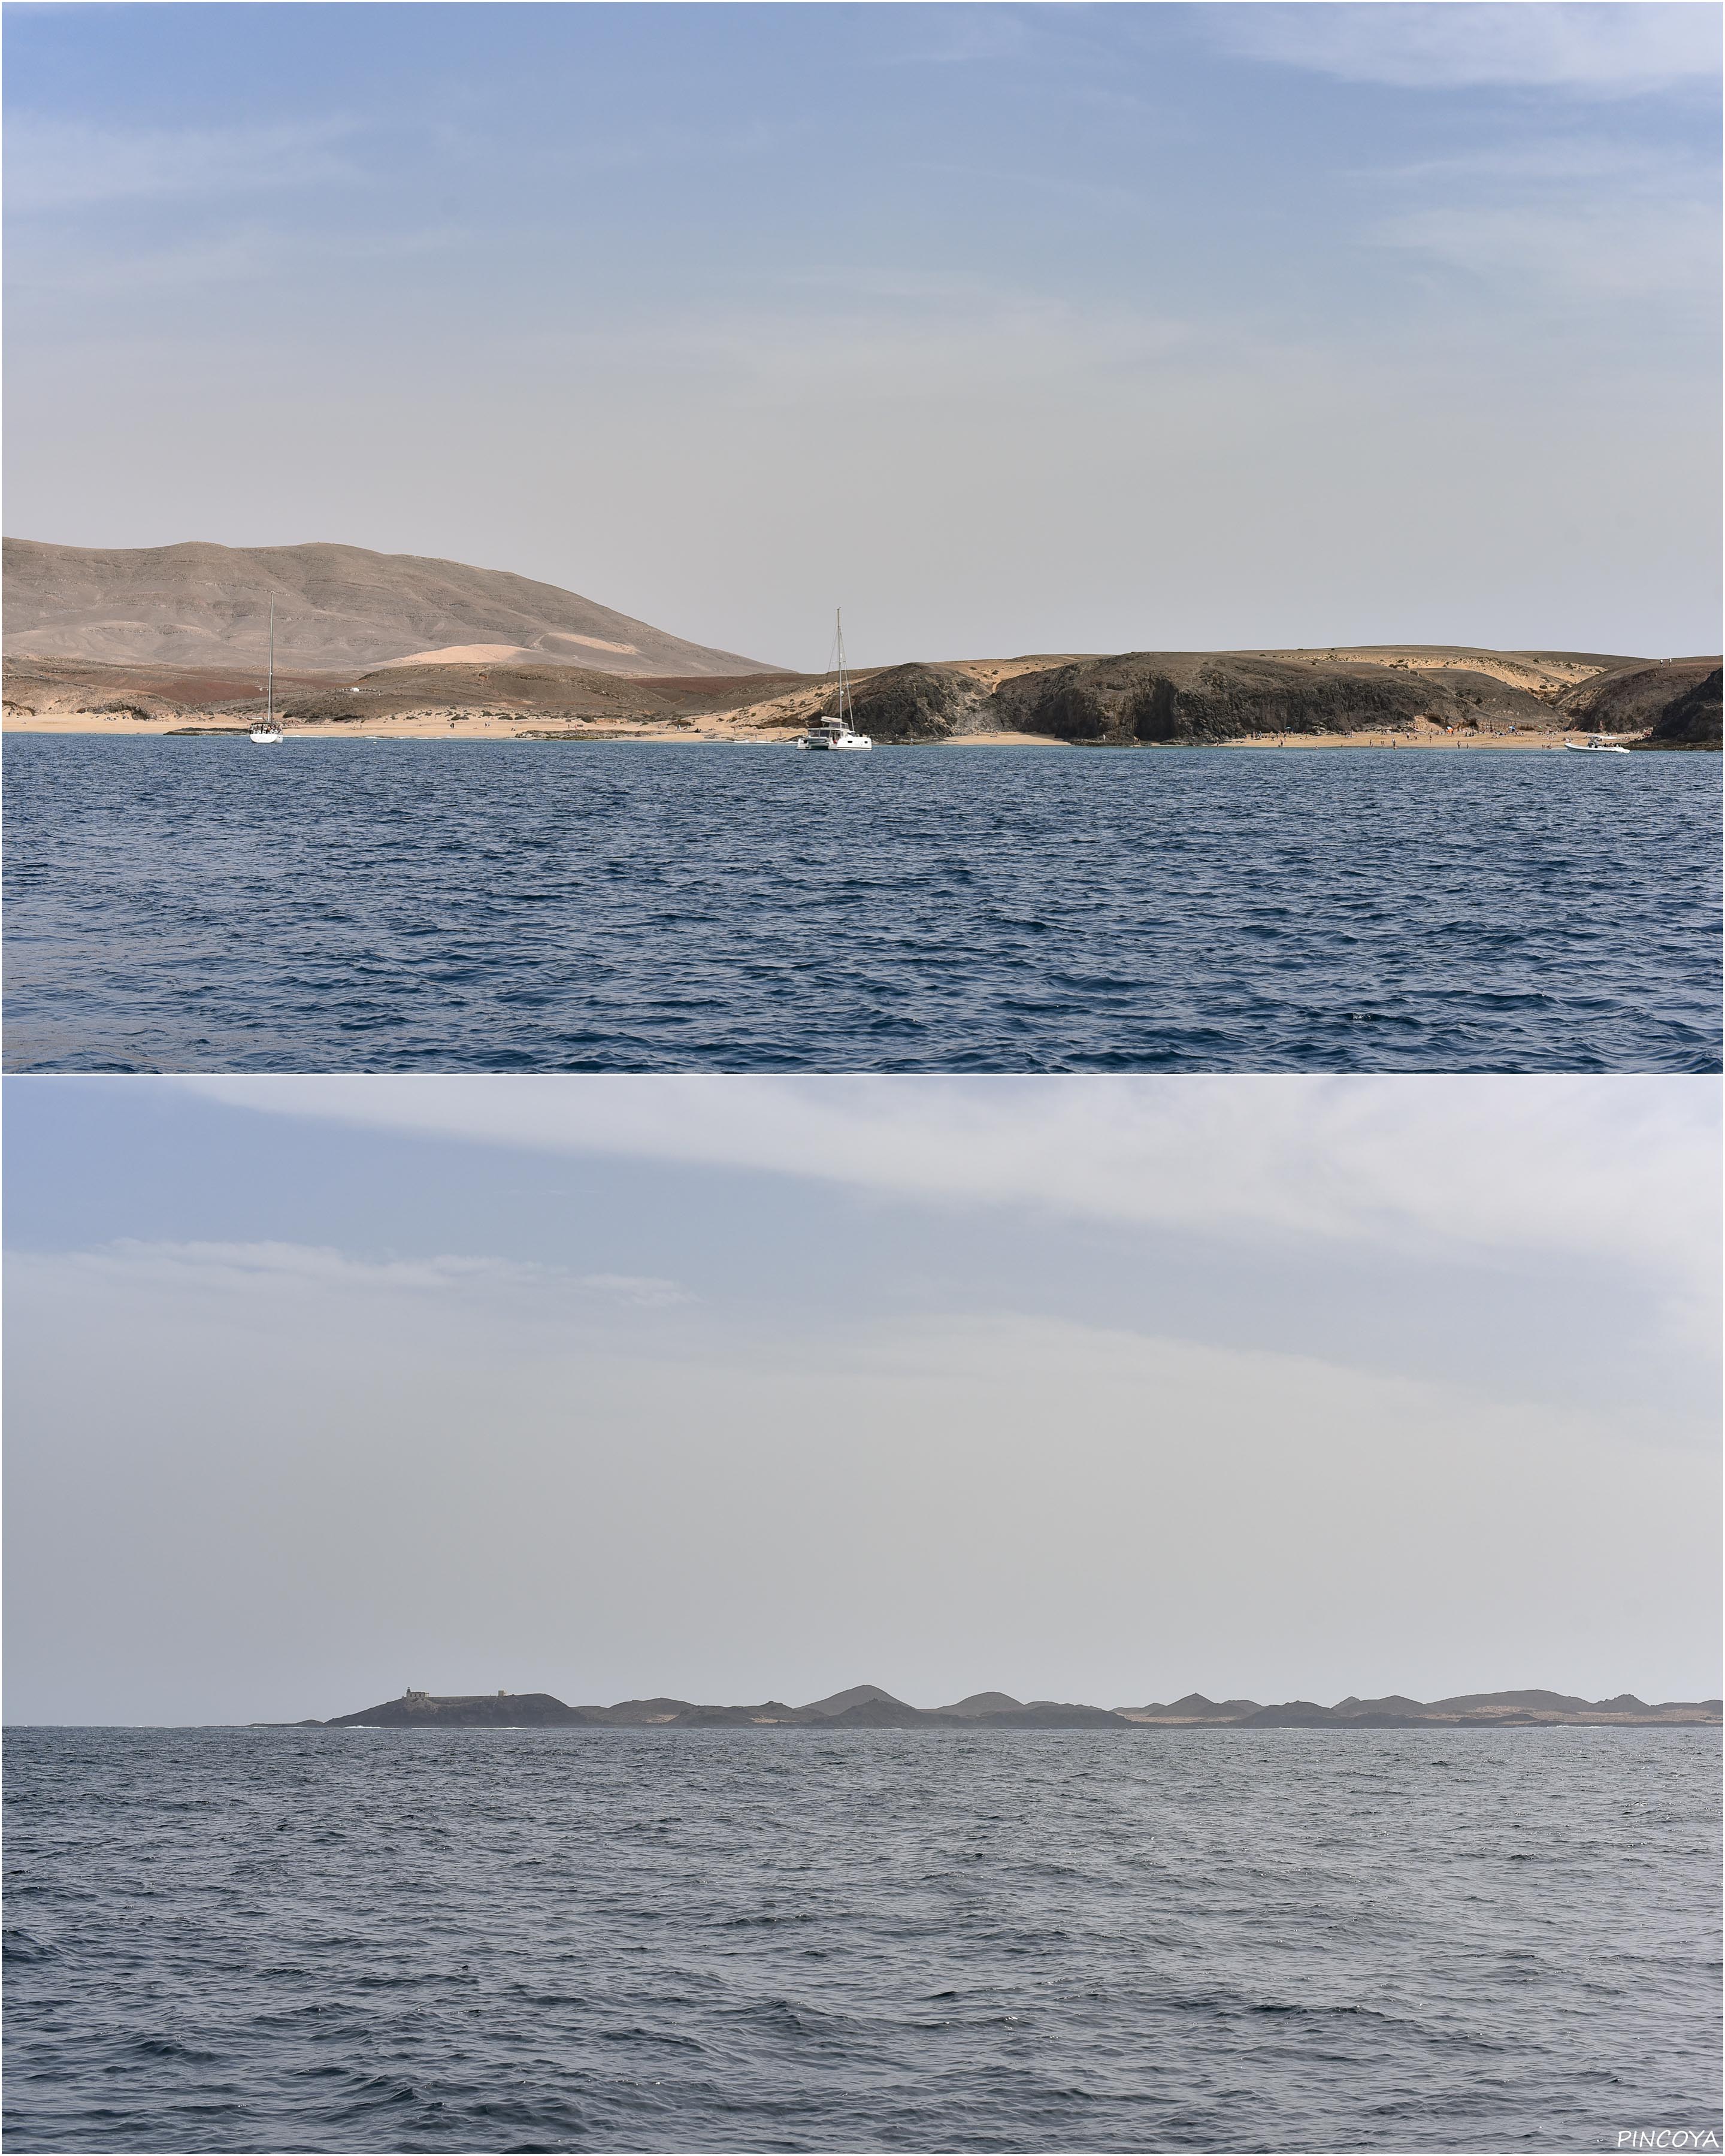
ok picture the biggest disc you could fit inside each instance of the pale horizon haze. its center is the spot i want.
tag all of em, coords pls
(1009, 328)
(737, 1387)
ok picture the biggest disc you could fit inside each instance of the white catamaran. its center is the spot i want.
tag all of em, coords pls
(266, 729)
(834, 729)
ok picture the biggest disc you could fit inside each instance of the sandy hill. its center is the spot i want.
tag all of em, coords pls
(335, 607)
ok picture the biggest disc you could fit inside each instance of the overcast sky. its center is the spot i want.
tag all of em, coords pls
(1009, 327)
(734, 1389)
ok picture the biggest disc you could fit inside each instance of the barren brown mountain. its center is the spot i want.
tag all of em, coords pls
(335, 607)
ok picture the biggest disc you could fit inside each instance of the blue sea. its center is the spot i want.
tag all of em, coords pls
(1274, 1940)
(202, 905)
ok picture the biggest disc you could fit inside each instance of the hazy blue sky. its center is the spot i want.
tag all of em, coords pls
(320, 1388)
(1011, 327)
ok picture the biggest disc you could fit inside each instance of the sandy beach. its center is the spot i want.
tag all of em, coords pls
(742, 729)
(1419, 737)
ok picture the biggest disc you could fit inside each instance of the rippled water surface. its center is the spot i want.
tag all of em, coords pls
(203, 904)
(287, 1940)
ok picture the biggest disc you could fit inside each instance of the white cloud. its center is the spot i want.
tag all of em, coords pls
(1621, 1168)
(69, 164)
(278, 1270)
(1591, 49)
(282, 1265)
(642, 1290)
(246, 254)
(1583, 252)
(1564, 220)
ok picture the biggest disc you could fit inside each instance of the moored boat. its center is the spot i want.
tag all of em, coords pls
(833, 730)
(266, 731)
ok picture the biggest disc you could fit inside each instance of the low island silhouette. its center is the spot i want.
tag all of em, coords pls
(867, 1706)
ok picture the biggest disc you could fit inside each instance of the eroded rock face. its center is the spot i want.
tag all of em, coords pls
(923, 703)
(1630, 699)
(1692, 719)
(1201, 696)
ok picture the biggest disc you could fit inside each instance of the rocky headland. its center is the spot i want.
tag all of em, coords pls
(172, 639)
(1684, 714)
(1191, 697)
(867, 1706)
(1137, 700)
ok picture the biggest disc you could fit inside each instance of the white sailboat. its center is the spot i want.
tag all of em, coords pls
(833, 728)
(267, 731)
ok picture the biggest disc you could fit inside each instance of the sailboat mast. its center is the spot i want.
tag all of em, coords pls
(270, 677)
(844, 687)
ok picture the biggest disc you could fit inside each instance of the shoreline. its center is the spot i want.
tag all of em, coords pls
(96, 725)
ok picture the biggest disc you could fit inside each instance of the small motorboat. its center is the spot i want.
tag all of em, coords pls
(1597, 745)
(833, 730)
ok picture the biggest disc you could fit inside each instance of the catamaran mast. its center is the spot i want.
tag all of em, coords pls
(844, 686)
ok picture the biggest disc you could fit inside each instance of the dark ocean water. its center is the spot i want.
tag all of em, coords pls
(202, 905)
(722, 1940)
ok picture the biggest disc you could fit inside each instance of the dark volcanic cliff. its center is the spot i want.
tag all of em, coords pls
(923, 703)
(1218, 696)
(1632, 700)
(1691, 720)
